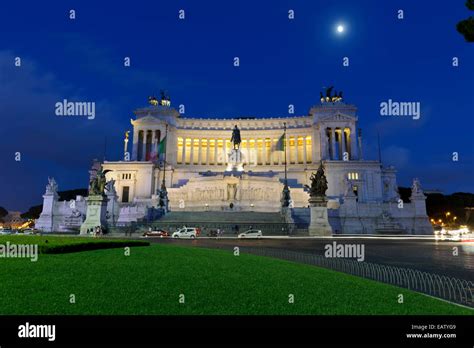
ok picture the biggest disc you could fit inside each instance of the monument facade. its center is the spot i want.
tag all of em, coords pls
(238, 164)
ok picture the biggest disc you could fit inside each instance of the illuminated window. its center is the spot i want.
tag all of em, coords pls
(259, 151)
(204, 151)
(220, 151)
(347, 132)
(180, 150)
(309, 150)
(252, 153)
(353, 176)
(268, 150)
(292, 145)
(245, 152)
(195, 151)
(275, 154)
(187, 148)
(212, 151)
(300, 150)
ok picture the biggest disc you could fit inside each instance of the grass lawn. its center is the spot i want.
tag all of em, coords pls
(59, 245)
(151, 279)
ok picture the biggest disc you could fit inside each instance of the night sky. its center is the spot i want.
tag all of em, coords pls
(282, 62)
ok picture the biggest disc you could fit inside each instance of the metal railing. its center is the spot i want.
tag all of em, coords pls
(447, 288)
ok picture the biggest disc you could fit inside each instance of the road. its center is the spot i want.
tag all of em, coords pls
(423, 254)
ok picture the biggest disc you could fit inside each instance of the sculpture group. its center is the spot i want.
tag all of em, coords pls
(336, 97)
(98, 184)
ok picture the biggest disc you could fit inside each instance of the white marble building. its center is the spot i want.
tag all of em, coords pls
(362, 194)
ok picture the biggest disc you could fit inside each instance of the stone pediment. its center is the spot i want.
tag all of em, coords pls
(337, 117)
(147, 120)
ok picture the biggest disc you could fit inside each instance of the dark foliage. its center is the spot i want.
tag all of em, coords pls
(466, 27)
(72, 248)
(3, 212)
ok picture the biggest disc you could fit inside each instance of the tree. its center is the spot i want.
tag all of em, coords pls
(33, 213)
(3, 213)
(466, 27)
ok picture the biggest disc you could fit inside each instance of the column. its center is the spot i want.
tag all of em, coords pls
(183, 160)
(207, 151)
(191, 155)
(135, 145)
(344, 145)
(224, 147)
(296, 149)
(153, 139)
(199, 151)
(339, 147)
(280, 154)
(333, 143)
(304, 150)
(249, 152)
(145, 133)
(359, 140)
(255, 149)
(354, 154)
(215, 152)
(264, 151)
(323, 143)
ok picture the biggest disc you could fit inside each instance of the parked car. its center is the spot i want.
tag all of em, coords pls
(251, 234)
(30, 231)
(156, 233)
(6, 231)
(186, 232)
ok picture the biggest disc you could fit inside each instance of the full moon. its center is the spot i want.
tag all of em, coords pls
(340, 28)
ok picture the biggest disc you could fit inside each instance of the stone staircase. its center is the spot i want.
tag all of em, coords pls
(388, 225)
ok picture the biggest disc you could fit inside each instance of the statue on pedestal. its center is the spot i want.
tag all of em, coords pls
(319, 225)
(96, 215)
(236, 140)
(330, 97)
(98, 183)
(417, 191)
(163, 198)
(235, 156)
(416, 187)
(319, 183)
(51, 187)
(110, 186)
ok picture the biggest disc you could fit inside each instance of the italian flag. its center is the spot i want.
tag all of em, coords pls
(280, 144)
(162, 146)
(158, 149)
